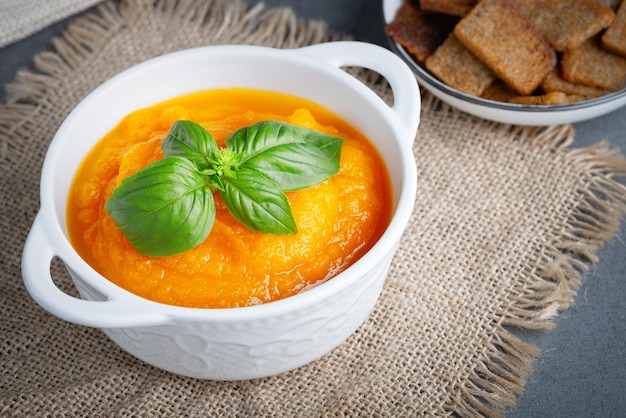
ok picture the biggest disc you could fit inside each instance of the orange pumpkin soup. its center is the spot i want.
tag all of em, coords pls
(338, 220)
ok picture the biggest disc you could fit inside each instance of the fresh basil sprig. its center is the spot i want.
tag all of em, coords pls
(167, 207)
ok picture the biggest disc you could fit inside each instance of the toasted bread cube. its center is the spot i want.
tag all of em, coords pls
(450, 7)
(554, 82)
(566, 24)
(499, 92)
(453, 64)
(592, 65)
(552, 98)
(501, 37)
(419, 35)
(611, 4)
(615, 36)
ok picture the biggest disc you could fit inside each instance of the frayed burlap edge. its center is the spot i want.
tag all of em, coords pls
(547, 287)
(277, 27)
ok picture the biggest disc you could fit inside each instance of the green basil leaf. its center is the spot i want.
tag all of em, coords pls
(190, 140)
(256, 201)
(165, 208)
(293, 157)
(168, 208)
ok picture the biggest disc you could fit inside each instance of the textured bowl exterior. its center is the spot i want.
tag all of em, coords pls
(237, 343)
(258, 347)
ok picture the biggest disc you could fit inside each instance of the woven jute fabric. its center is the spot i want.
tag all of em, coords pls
(506, 221)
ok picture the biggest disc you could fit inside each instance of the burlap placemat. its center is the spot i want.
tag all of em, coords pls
(506, 221)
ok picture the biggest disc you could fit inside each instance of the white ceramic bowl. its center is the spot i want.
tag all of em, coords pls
(516, 114)
(238, 343)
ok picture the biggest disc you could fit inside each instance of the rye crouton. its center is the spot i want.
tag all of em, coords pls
(592, 65)
(611, 4)
(566, 24)
(450, 7)
(552, 98)
(453, 64)
(419, 35)
(554, 82)
(499, 92)
(615, 36)
(500, 36)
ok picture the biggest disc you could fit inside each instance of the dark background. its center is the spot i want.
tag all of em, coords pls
(581, 371)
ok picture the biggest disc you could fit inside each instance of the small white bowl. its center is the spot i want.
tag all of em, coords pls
(516, 114)
(238, 343)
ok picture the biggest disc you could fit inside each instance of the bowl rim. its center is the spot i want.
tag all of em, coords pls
(384, 245)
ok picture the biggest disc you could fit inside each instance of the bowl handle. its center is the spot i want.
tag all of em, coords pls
(113, 312)
(406, 95)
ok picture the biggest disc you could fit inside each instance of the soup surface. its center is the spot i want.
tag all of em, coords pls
(338, 220)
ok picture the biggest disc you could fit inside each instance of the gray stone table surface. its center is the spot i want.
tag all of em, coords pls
(581, 371)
